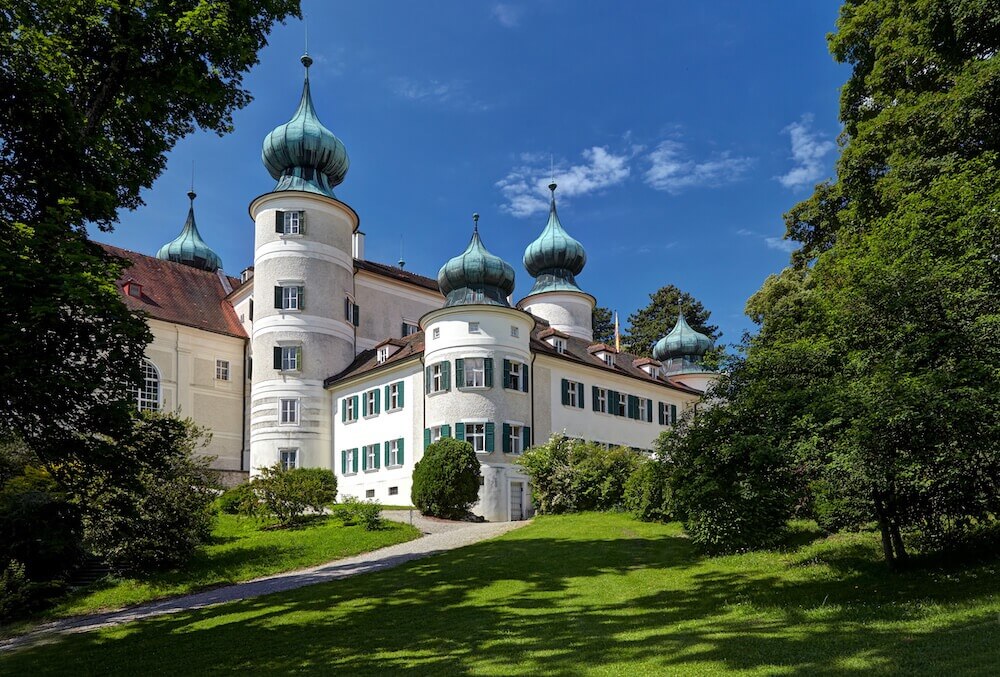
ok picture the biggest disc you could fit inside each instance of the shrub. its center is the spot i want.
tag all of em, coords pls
(238, 500)
(367, 513)
(15, 591)
(446, 479)
(647, 492)
(154, 511)
(570, 475)
(288, 495)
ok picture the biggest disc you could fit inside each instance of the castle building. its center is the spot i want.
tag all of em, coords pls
(317, 357)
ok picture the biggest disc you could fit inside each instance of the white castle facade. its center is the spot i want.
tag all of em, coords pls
(316, 357)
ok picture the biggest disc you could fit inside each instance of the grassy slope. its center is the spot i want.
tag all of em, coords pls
(587, 594)
(240, 551)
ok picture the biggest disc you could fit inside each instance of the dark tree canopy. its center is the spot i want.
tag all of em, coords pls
(603, 324)
(648, 325)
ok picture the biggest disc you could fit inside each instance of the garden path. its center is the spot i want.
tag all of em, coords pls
(439, 536)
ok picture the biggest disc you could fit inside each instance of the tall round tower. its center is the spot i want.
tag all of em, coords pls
(303, 329)
(554, 260)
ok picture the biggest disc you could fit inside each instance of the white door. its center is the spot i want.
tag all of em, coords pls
(516, 501)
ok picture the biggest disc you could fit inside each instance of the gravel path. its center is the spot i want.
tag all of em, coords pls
(439, 536)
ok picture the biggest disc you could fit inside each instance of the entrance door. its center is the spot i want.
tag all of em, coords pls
(516, 501)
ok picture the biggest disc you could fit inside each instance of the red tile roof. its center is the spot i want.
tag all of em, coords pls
(174, 292)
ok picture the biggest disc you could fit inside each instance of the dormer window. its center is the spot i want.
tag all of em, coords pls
(608, 358)
(133, 289)
(383, 354)
(559, 344)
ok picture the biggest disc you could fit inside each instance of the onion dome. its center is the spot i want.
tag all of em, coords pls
(476, 277)
(188, 247)
(555, 258)
(302, 154)
(682, 341)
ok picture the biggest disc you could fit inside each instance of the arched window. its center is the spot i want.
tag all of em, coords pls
(148, 394)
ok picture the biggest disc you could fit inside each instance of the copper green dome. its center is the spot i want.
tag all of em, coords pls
(302, 154)
(682, 341)
(188, 247)
(476, 276)
(555, 258)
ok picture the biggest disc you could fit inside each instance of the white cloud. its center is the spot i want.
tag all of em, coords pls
(673, 170)
(507, 15)
(452, 93)
(809, 148)
(779, 243)
(525, 187)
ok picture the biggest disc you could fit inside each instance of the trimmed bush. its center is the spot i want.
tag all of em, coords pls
(367, 513)
(647, 492)
(290, 495)
(446, 479)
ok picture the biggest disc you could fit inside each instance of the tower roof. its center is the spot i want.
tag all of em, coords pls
(476, 276)
(682, 341)
(555, 258)
(302, 154)
(188, 247)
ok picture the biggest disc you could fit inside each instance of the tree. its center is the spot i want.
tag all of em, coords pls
(288, 495)
(603, 324)
(92, 97)
(446, 479)
(648, 325)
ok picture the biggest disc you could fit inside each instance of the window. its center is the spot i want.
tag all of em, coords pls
(383, 354)
(475, 372)
(349, 461)
(394, 453)
(370, 457)
(645, 410)
(394, 396)
(369, 493)
(352, 313)
(514, 438)
(475, 434)
(514, 331)
(370, 403)
(222, 370)
(289, 223)
(600, 400)
(289, 458)
(514, 376)
(289, 411)
(668, 414)
(393, 491)
(349, 409)
(437, 378)
(560, 345)
(474, 328)
(619, 404)
(410, 328)
(572, 393)
(609, 359)
(288, 358)
(148, 393)
(436, 333)
(289, 297)
(133, 288)
(436, 433)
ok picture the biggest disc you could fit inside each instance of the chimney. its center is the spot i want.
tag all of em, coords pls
(359, 245)
(246, 274)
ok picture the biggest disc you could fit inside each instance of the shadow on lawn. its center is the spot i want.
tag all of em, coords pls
(523, 605)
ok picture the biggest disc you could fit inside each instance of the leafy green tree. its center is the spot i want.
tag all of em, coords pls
(290, 495)
(446, 479)
(603, 324)
(93, 94)
(648, 325)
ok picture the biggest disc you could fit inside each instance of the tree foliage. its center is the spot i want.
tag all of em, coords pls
(603, 324)
(446, 479)
(290, 495)
(648, 325)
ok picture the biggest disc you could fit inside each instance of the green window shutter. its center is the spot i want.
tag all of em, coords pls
(399, 451)
(446, 376)
(506, 438)
(633, 406)
(279, 221)
(388, 398)
(488, 365)
(427, 381)
(506, 373)
(355, 400)
(357, 315)
(673, 414)
(378, 407)
(526, 441)
(427, 437)
(343, 410)
(613, 402)
(378, 455)
(277, 298)
(579, 395)
(565, 391)
(524, 378)
(298, 358)
(302, 298)
(459, 372)
(446, 430)
(489, 436)
(460, 431)
(402, 332)
(659, 412)
(364, 459)
(388, 461)
(354, 459)
(649, 411)
(277, 358)
(399, 393)
(343, 462)
(302, 223)
(593, 398)
(347, 308)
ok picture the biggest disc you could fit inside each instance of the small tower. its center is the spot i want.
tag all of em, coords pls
(484, 343)
(681, 352)
(303, 274)
(188, 247)
(554, 260)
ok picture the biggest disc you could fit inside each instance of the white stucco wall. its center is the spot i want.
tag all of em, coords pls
(568, 312)
(385, 304)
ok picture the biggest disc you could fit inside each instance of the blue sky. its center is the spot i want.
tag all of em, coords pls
(679, 133)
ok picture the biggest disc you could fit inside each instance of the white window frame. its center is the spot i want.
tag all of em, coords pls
(644, 409)
(559, 344)
(572, 391)
(149, 394)
(222, 372)
(621, 406)
(436, 378)
(516, 438)
(290, 358)
(394, 454)
(371, 452)
(511, 375)
(435, 433)
(411, 327)
(383, 354)
(393, 403)
(294, 452)
(474, 372)
(290, 296)
(368, 403)
(288, 411)
(602, 401)
(609, 359)
(475, 437)
(291, 223)
(515, 331)
(350, 415)
(474, 328)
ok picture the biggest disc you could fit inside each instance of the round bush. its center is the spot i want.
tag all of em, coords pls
(446, 479)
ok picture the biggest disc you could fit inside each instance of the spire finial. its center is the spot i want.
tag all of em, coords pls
(475, 222)
(402, 261)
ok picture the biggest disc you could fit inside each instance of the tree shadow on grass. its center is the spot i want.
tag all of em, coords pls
(559, 606)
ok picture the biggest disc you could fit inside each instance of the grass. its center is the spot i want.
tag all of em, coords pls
(239, 550)
(591, 594)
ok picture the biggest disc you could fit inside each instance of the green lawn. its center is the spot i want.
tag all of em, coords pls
(588, 594)
(240, 551)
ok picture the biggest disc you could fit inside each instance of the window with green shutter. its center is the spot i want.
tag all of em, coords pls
(565, 391)
(446, 376)
(673, 414)
(490, 434)
(460, 431)
(526, 442)
(399, 451)
(488, 364)
(506, 373)
(459, 372)
(343, 462)
(505, 431)
(427, 437)
(633, 406)
(445, 430)
(579, 395)
(354, 459)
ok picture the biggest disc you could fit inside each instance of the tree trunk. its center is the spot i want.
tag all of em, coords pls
(884, 527)
(897, 543)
